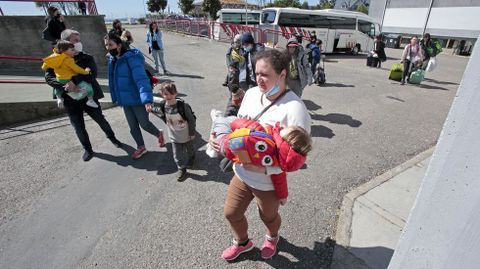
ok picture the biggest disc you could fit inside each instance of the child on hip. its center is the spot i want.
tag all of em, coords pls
(64, 66)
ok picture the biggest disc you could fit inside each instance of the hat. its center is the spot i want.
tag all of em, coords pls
(292, 42)
(247, 38)
(237, 39)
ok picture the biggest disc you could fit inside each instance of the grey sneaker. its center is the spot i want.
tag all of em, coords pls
(181, 174)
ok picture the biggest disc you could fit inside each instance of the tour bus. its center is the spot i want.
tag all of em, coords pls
(339, 30)
(234, 16)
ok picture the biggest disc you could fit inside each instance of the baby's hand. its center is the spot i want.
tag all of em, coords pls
(283, 201)
(88, 69)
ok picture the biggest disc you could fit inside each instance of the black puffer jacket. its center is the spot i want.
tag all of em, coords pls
(55, 27)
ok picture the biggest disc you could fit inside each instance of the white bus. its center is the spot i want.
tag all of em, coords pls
(339, 30)
(239, 16)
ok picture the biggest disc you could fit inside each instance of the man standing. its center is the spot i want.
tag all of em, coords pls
(76, 108)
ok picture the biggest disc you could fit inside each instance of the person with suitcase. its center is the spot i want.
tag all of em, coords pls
(412, 56)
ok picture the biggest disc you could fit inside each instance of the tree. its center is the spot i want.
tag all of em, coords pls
(211, 7)
(43, 5)
(156, 5)
(326, 4)
(305, 5)
(362, 8)
(186, 6)
(285, 3)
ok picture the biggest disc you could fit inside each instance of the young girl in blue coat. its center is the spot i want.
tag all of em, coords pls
(130, 88)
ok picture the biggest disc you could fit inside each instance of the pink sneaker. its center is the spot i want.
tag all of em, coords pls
(269, 248)
(232, 252)
(139, 153)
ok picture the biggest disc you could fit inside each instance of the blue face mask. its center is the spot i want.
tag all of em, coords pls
(248, 48)
(274, 90)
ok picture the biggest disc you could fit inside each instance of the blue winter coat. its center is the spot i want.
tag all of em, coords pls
(128, 81)
(158, 35)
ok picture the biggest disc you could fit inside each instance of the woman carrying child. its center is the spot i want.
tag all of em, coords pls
(251, 181)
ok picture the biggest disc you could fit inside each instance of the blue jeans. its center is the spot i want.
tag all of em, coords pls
(75, 109)
(137, 117)
(156, 55)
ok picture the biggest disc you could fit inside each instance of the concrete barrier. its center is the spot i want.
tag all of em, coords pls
(22, 36)
(22, 112)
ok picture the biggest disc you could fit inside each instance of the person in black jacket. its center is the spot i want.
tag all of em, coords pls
(76, 108)
(117, 28)
(379, 49)
(55, 25)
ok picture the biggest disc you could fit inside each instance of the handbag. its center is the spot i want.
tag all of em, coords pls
(432, 64)
(226, 165)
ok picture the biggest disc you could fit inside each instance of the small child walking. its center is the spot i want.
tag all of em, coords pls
(181, 121)
(61, 61)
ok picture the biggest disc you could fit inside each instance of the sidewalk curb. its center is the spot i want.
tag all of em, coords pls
(343, 233)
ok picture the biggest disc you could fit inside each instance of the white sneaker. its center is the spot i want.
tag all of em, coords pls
(92, 103)
(210, 152)
(215, 113)
(60, 102)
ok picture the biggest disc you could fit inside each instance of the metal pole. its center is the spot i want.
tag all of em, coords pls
(426, 19)
(383, 15)
(246, 12)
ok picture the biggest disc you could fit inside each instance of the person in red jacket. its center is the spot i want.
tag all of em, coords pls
(279, 150)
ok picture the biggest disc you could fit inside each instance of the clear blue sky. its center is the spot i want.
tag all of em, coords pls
(110, 8)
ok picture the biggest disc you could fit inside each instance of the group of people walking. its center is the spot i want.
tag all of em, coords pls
(259, 84)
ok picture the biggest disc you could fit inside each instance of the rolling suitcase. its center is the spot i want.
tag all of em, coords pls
(319, 76)
(369, 60)
(396, 72)
(417, 76)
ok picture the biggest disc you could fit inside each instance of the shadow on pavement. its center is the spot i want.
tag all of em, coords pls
(338, 119)
(184, 76)
(339, 85)
(431, 87)
(440, 82)
(321, 131)
(160, 161)
(321, 256)
(312, 106)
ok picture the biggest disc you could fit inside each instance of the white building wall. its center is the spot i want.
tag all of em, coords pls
(443, 229)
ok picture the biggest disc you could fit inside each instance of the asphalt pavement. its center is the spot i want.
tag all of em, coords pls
(112, 212)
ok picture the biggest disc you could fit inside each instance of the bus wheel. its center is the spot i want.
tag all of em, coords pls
(355, 50)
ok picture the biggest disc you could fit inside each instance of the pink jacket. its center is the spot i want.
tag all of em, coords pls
(410, 55)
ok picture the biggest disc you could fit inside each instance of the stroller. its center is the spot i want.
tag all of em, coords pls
(319, 77)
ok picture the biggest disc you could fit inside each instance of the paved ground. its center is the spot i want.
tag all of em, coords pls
(59, 212)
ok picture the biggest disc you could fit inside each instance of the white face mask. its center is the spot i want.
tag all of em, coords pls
(78, 46)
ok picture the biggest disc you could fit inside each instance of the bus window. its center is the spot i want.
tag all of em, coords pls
(342, 23)
(239, 18)
(295, 20)
(268, 16)
(320, 21)
(366, 28)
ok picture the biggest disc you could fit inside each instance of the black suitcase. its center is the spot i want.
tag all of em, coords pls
(372, 61)
(369, 60)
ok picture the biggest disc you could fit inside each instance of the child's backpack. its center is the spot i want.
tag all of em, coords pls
(181, 106)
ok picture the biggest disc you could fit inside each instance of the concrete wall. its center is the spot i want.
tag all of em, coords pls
(21, 36)
(442, 230)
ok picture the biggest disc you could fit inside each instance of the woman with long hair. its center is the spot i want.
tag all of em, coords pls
(155, 44)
